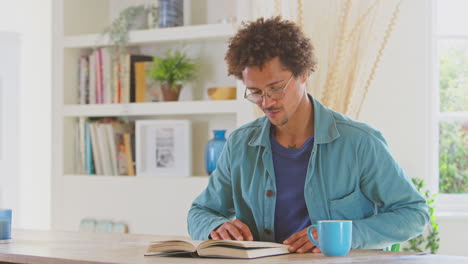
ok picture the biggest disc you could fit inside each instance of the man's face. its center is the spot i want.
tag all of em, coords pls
(274, 76)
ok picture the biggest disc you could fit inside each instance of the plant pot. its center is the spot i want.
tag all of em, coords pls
(171, 92)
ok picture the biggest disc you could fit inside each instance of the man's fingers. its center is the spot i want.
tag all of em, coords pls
(292, 239)
(316, 250)
(214, 235)
(295, 237)
(223, 233)
(298, 244)
(308, 246)
(233, 231)
(244, 229)
(315, 234)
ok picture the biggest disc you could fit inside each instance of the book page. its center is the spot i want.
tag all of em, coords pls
(172, 246)
(241, 244)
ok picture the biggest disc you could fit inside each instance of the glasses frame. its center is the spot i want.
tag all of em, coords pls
(262, 96)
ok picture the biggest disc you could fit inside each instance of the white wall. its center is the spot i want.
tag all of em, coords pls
(32, 20)
(398, 104)
(9, 68)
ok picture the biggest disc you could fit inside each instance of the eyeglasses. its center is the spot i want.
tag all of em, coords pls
(256, 95)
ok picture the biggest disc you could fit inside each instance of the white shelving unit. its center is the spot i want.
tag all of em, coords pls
(159, 108)
(147, 204)
(141, 37)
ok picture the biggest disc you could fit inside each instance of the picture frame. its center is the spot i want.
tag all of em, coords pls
(163, 148)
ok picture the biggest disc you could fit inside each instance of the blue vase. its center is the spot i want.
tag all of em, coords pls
(213, 150)
(170, 13)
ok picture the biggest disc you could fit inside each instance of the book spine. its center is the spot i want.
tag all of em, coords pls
(129, 154)
(140, 82)
(119, 81)
(107, 76)
(83, 79)
(104, 149)
(92, 78)
(112, 148)
(101, 78)
(127, 79)
(96, 151)
(115, 81)
(81, 136)
(88, 150)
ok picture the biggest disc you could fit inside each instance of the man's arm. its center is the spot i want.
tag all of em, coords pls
(402, 211)
(214, 206)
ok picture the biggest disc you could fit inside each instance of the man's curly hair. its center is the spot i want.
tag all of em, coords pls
(259, 41)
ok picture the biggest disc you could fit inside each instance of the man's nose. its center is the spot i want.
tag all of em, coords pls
(267, 101)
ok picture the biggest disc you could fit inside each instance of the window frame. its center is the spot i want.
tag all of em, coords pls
(448, 205)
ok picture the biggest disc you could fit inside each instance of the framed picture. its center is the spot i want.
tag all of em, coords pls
(163, 148)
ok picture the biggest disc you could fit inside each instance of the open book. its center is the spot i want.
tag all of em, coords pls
(217, 248)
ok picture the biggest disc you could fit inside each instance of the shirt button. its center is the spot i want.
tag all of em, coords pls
(267, 231)
(269, 193)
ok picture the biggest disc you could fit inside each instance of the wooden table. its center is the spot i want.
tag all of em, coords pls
(71, 247)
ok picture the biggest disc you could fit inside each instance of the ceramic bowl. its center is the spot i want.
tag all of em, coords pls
(222, 93)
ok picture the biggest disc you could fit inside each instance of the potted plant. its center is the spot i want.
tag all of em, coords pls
(429, 240)
(131, 18)
(172, 70)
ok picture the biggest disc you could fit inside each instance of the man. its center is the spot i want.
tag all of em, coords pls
(302, 162)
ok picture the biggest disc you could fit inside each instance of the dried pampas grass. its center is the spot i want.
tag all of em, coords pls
(350, 38)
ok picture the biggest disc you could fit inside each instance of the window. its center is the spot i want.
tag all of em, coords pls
(451, 36)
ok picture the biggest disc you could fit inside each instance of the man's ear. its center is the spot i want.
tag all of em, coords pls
(303, 78)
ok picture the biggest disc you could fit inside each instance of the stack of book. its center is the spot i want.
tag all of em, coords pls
(107, 78)
(106, 147)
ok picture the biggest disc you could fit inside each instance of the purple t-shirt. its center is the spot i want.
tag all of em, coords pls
(290, 167)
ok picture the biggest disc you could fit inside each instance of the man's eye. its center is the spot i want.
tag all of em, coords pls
(277, 89)
(255, 92)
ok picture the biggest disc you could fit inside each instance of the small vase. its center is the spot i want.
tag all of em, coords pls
(171, 13)
(213, 150)
(171, 93)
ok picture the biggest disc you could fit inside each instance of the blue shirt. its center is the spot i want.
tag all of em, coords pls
(351, 175)
(290, 167)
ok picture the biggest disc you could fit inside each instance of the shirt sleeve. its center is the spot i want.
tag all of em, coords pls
(214, 206)
(402, 213)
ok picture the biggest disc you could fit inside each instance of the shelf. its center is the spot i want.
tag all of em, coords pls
(213, 31)
(159, 108)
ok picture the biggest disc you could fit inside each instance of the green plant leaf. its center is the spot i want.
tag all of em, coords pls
(431, 240)
(174, 67)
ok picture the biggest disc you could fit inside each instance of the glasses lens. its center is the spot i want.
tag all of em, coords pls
(276, 94)
(254, 98)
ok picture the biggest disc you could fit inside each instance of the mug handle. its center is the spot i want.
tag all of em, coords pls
(309, 233)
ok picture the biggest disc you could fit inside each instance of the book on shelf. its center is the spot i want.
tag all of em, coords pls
(84, 79)
(106, 79)
(92, 79)
(216, 248)
(129, 154)
(146, 89)
(88, 155)
(95, 149)
(133, 60)
(105, 147)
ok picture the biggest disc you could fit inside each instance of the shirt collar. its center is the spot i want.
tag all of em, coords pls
(325, 127)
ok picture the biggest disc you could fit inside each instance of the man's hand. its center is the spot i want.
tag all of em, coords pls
(234, 230)
(300, 243)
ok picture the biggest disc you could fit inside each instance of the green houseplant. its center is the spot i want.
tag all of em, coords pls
(429, 241)
(172, 70)
(133, 17)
